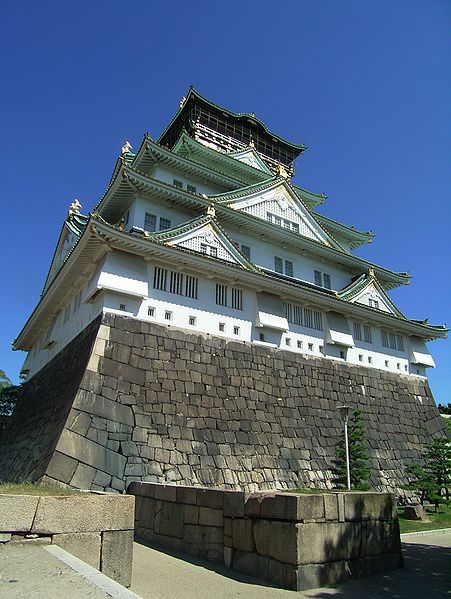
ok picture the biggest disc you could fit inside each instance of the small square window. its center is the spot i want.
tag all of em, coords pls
(222, 327)
(122, 307)
(299, 344)
(386, 364)
(236, 330)
(192, 321)
(287, 341)
(406, 368)
(168, 315)
(262, 336)
(310, 346)
(360, 357)
(370, 360)
(342, 354)
(191, 189)
(398, 366)
(321, 349)
(150, 311)
(214, 252)
(203, 248)
(177, 184)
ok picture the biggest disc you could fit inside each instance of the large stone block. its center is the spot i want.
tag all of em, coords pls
(84, 545)
(242, 536)
(17, 512)
(105, 408)
(84, 513)
(117, 556)
(169, 520)
(90, 453)
(61, 467)
(370, 506)
(278, 540)
(210, 517)
(328, 541)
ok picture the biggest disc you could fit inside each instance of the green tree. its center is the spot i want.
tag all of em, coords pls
(432, 481)
(357, 455)
(8, 399)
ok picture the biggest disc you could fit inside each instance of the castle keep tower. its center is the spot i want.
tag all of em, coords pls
(203, 322)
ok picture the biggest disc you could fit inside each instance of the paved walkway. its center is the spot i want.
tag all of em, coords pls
(164, 575)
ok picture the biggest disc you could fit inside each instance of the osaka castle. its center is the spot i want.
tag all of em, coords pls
(204, 230)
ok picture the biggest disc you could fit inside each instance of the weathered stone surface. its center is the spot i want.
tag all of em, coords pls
(328, 541)
(367, 506)
(117, 556)
(17, 512)
(105, 408)
(84, 513)
(242, 536)
(169, 520)
(278, 540)
(210, 517)
(84, 545)
(414, 512)
(61, 467)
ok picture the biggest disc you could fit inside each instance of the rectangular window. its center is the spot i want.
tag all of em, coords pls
(222, 327)
(214, 252)
(327, 281)
(262, 336)
(392, 338)
(321, 349)
(203, 248)
(400, 342)
(150, 222)
(384, 339)
(282, 222)
(191, 189)
(386, 364)
(191, 285)
(288, 268)
(310, 346)
(122, 307)
(317, 320)
(192, 321)
(246, 251)
(176, 283)
(150, 311)
(322, 279)
(293, 314)
(360, 357)
(278, 264)
(358, 331)
(373, 304)
(237, 298)
(288, 341)
(165, 223)
(221, 294)
(168, 315)
(308, 318)
(318, 278)
(236, 330)
(299, 344)
(177, 183)
(370, 360)
(367, 333)
(160, 278)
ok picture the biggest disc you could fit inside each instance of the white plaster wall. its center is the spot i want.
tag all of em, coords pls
(263, 252)
(168, 176)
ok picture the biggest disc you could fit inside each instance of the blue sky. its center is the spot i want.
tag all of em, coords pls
(365, 85)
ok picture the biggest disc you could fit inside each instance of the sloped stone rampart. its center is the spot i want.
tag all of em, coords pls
(294, 541)
(129, 400)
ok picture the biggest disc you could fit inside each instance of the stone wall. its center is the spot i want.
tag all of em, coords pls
(129, 400)
(294, 541)
(97, 528)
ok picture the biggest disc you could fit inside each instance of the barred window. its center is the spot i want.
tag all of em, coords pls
(392, 338)
(317, 320)
(288, 268)
(400, 342)
(191, 285)
(318, 278)
(367, 333)
(191, 189)
(246, 251)
(221, 294)
(278, 264)
(327, 281)
(322, 279)
(358, 331)
(165, 223)
(308, 318)
(282, 222)
(293, 313)
(237, 298)
(177, 183)
(384, 338)
(176, 283)
(150, 222)
(160, 278)
(283, 266)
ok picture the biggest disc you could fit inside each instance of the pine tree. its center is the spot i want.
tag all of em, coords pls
(357, 456)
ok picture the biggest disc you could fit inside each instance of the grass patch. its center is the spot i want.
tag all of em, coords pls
(441, 519)
(35, 489)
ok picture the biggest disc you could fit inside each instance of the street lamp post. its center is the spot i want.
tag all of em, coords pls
(344, 411)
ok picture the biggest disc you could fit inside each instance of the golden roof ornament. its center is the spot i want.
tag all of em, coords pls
(74, 208)
(282, 171)
(371, 271)
(211, 210)
(126, 148)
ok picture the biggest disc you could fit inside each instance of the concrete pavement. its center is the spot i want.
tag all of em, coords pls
(160, 574)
